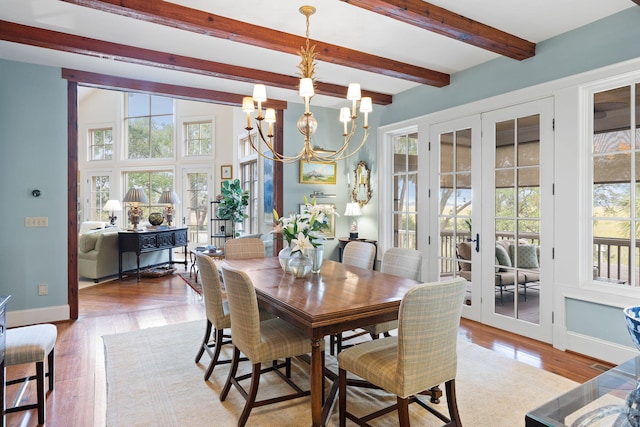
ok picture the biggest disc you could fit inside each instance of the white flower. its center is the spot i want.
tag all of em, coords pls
(301, 243)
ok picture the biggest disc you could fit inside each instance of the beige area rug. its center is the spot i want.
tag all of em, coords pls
(152, 380)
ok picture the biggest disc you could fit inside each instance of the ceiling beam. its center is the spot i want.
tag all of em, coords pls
(49, 39)
(198, 21)
(636, 2)
(449, 24)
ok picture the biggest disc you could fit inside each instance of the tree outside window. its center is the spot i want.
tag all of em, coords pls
(149, 124)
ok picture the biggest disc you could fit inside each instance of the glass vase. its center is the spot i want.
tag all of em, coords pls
(317, 256)
(283, 257)
(299, 264)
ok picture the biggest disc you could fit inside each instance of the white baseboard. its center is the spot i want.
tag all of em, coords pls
(37, 315)
(599, 349)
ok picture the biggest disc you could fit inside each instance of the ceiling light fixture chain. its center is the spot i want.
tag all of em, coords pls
(307, 123)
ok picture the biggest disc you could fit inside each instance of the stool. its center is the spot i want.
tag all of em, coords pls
(30, 344)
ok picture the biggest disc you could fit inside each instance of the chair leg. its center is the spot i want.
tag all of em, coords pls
(205, 341)
(232, 373)
(403, 412)
(42, 404)
(342, 397)
(216, 354)
(251, 395)
(450, 387)
(51, 364)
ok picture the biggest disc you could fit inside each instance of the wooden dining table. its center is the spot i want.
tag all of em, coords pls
(338, 299)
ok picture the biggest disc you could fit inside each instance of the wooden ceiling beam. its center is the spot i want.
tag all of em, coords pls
(636, 2)
(449, 24)
(198, 21)
(49, 39)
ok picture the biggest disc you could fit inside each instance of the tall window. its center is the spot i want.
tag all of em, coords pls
(249, 180)
(198, 138)
(101, 144)
(197, 207)
(616, 185)
(153, 183)
(405, 190)
(100, 191)
(149, 124)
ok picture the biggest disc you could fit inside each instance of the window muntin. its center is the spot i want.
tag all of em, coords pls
(198, 138)
(616, 185)
(153, 183)
(100, 144)
(405, 190)
(149, 124)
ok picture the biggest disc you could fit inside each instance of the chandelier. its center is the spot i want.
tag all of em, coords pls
(307, 124)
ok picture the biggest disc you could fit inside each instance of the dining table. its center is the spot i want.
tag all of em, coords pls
(337, 299)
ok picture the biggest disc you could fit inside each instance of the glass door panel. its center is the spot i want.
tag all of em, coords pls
(195, 207)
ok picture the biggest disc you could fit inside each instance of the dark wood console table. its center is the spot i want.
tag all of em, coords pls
(3, 330)
(150, 241)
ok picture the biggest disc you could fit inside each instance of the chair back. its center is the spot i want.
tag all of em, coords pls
(359, 254)
(249, 247)
(211, 290)
(402, 262)
(243, 306)
(429, 318)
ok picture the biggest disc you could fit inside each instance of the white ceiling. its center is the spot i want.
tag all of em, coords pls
(335, 22)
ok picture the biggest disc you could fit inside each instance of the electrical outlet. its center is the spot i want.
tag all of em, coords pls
(36, 221)
(43, 289)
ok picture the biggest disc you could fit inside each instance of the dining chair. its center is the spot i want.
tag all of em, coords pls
(260, 341)
(249, 247)
(358, 254)
(401, 262)
(423, 354)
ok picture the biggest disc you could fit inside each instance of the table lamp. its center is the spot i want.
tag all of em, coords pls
(170, 198)
(112, 206)
(135, 196)
(353, 210)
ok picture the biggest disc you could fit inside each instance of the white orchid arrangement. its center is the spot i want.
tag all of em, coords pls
(304, 229)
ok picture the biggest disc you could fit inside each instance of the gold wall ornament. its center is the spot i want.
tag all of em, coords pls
(362, 187)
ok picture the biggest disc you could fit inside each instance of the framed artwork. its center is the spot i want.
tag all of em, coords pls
(329, 233)
(317, 172)
(226, 171)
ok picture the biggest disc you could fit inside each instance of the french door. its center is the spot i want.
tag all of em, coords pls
(494, 175)
(196, 194)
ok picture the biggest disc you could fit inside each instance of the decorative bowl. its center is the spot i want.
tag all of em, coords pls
(156, 218)
(632, 317)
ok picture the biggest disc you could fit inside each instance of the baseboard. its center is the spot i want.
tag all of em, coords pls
(37, 315)
(599, 349)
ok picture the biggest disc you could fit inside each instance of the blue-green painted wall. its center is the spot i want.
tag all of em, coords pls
(33, 155)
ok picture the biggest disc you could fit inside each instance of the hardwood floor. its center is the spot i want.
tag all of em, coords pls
(79, 398)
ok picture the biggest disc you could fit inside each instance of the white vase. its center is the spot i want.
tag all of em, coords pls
(283, 257)
(317, 256)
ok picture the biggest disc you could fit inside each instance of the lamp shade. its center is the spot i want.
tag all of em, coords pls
(353, 209)
(135, 195)
(112, 206)
(169, 197)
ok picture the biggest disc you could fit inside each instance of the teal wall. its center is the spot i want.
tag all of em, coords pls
(33, 154)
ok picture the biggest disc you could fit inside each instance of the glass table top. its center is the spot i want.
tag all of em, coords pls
(600, 401)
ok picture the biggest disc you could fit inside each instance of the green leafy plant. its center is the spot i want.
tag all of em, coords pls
(234, 202)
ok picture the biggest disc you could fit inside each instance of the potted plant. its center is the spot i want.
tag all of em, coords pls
(233, 202)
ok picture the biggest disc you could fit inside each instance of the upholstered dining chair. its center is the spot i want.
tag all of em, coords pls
(217, 312)
(358, 254)
(250, 247)
(401, 262)
(260, 341)
(423, 354)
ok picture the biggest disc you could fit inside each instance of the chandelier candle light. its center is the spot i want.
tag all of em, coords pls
(307, 124)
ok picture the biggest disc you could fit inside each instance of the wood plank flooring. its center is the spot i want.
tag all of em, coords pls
(79, 398)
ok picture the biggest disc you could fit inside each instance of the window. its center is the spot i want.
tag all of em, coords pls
(198, 138)
(405, 190)
(101, 144)
(616, 185)
(153, 183)
(149, 124)
(249, 180)
(100, 191)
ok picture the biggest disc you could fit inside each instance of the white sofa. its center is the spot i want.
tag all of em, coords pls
(98, 253)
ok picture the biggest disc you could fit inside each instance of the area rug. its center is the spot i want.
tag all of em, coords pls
(152, 380)
(191, 281)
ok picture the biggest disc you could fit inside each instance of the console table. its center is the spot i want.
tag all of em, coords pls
(3, 328)
(150, 241)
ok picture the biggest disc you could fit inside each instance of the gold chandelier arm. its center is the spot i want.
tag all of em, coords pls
(275, 155)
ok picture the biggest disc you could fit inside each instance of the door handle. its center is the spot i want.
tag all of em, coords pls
(477, 240)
